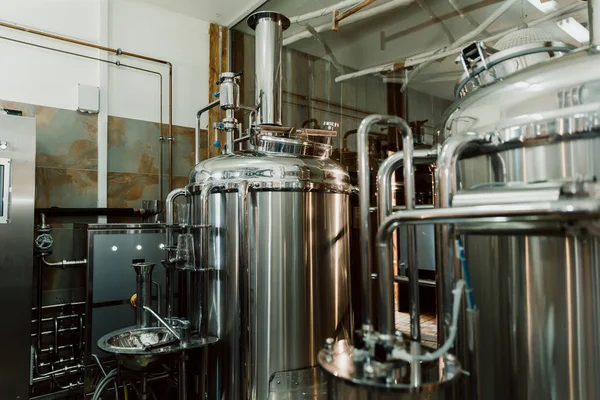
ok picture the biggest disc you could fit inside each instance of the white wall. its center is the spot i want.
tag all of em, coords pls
(37, 76)
(147, 29)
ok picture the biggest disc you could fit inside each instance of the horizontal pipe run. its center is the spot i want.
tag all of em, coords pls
(64, 263)
(561, 210)
(323, 11)
(94, 212)
(59, 374)
(61, 330)
(59, 317)
(371, 12)
(352, 10)
(422, 282)
(437, 54)
(49, 306)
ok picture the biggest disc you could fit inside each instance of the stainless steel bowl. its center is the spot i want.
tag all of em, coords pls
(141, 348)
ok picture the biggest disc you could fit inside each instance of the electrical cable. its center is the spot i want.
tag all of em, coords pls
(460, 250)
(104, 384)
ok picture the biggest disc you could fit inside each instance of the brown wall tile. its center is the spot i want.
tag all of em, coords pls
(66, 139)
(128, 190)
(133, 146)
(58, 187)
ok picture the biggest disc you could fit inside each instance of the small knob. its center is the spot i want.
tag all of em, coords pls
(329, 343)
(3, 145)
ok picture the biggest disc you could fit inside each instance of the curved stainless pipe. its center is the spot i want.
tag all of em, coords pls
(384, 178)
(170, 213)
(560, 210)
(197, 132)
(446, 183)
(169, 269)
(448, 268)
(384, 190)
(364, 197)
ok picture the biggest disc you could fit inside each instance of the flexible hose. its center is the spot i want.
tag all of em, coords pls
(103, 384)
(406, 356)
(463, 263)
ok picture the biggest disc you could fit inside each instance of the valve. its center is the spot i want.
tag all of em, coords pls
(133, 300)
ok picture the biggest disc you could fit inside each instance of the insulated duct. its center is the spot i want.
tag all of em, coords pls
(269, 27)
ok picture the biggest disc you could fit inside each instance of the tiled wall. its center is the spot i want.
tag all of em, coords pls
(67, 158)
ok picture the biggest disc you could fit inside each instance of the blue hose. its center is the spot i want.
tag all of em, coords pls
(463, 264)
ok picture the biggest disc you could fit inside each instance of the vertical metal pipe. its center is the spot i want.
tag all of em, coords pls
(594, 24)
(170, 127)
(143, 282)
(448, 270)
(40, 311)
(269, 27)
(197, 132)
(244, 289)
(446, 184)
(182, 386)
(204, 197)
(386, 322)
(169, 292)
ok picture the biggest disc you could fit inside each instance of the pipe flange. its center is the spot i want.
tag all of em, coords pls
(373, 364)
(273, 16)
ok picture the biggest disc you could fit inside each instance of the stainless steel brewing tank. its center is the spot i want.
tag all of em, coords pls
(273, 314)
(537, 288)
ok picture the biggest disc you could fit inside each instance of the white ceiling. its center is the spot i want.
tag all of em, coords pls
(222, 12)
(406, 31)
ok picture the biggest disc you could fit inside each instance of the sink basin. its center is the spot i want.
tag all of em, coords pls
(141, 348)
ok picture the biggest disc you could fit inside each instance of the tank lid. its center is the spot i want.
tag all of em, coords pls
(270, 172)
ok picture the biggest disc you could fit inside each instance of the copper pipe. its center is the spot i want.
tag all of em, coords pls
(81, 43)
(337, 18)
(118, 52)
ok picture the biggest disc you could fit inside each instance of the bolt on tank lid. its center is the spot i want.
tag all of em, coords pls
(274, 16)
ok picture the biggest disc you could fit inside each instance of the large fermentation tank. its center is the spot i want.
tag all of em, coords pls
(537, 288)
(274, 299)
(271, 230)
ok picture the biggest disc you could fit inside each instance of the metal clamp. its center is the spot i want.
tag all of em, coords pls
(471, 55)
